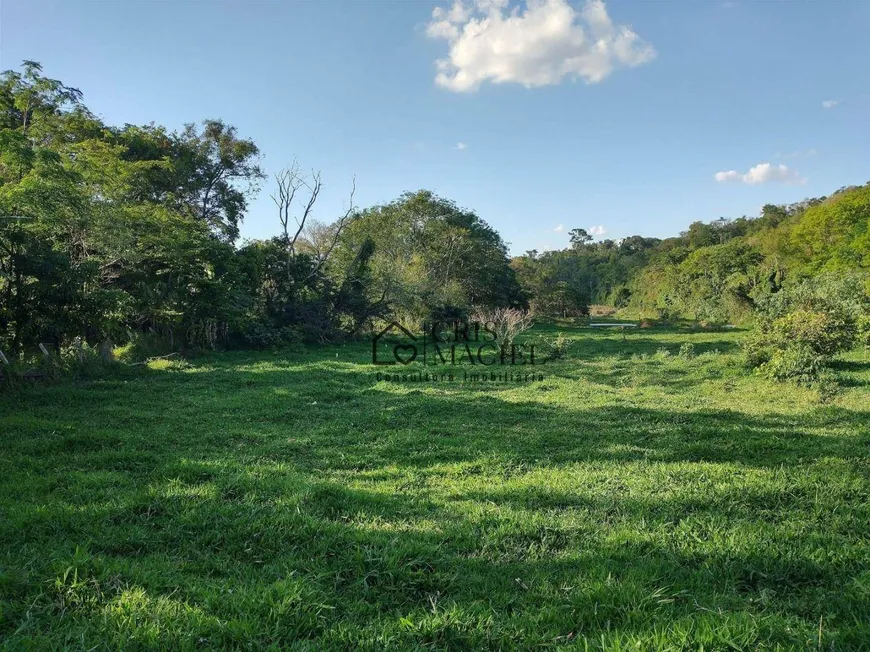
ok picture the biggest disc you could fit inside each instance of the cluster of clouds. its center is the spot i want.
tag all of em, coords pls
(543, 42)
(762, 173)
(770, 173)
(539, 45)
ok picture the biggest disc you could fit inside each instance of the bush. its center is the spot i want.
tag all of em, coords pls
(687, 351)
(447, 314)
(845, 296)
(822, 333)
(757, 348)
(798, 364)
(79, 362)
(799, 345)
(862, 330)
(828, 386)
(506, 323)
(557, 348)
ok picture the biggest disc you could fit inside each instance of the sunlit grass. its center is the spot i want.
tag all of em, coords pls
(632, 498)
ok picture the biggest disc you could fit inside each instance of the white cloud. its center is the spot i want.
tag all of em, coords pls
(730, 175)
(461, 145)
(559, 228)
(830, 104)
(762, 173)
(538, 46)
(597, 230)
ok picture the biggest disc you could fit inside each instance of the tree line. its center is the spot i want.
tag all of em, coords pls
(719, 271)
(131, 234)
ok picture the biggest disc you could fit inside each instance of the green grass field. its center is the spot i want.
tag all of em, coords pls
(630, 500)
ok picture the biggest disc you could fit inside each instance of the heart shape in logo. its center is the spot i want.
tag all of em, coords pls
(405, 353)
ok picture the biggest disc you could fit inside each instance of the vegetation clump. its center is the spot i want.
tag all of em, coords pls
(557, 348)
(801, 329)
(504, 323)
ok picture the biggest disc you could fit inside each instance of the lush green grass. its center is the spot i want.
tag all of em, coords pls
(629, 500)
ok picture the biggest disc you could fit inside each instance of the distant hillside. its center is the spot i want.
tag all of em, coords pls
(716, 270)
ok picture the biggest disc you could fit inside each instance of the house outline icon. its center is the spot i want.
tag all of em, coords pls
(386, 330)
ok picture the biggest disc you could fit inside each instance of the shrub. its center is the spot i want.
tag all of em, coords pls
(798, 364)
(447, 314)
(846, 297)
(79, 362)
(687, 351)
(799, 345)
(822, 333)
(506, 323)
(757, 348)
(557, 348)
(827, 386)
(263, 336)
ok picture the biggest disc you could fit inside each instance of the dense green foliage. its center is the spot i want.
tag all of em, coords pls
(633, 499)
(719, 272)
(128, 233)
(801, 273)
(801, 328)
(107, 231)
(430, 256)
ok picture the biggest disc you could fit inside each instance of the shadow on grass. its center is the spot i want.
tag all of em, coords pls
(337, 416)
(303, 502)
(257, 556)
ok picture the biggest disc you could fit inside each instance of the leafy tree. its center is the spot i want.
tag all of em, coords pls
(32, 104)
(835, 234)
(429, 253)
(579, 237)
(206, 173)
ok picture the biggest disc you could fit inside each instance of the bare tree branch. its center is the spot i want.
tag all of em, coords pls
(290, 181)
(338, 227)
(314, 186)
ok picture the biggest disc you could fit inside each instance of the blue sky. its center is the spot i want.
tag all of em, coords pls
(574, 114)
